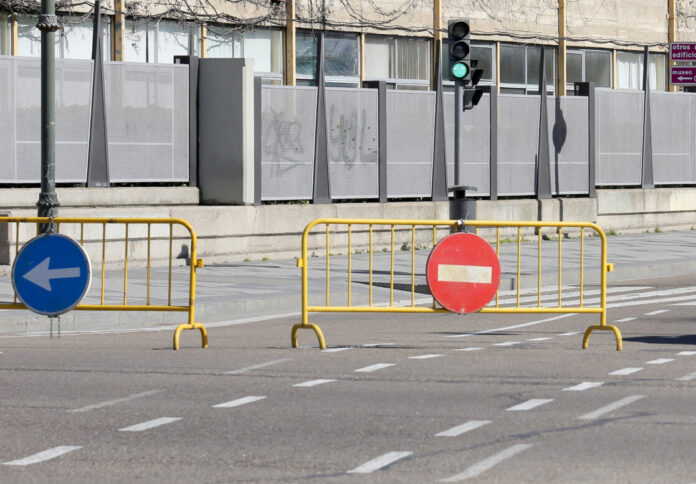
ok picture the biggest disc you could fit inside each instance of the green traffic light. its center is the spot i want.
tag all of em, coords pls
(459, 70)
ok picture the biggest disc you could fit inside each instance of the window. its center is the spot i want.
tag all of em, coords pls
(73, 40)
(403, 62)
(222, 42)
(341, 59)
(519, 69)
(629, 71)
(588, 66)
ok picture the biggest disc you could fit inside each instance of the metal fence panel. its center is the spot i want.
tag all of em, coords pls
(620, 128)
(672, 133)
(518, 140)
(475, 147)
(353, 142)
(147, 121)
(288, 122)
(21, 114)
(568, 145)
(410, 142)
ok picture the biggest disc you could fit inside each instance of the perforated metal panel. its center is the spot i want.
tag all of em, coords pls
(672, 137)
(475, 144)
(287, 142)
(568, 144)
(353, 142)
(518, 140)
(620, 128)
(147, 122)
(410, 142)
(20, 119)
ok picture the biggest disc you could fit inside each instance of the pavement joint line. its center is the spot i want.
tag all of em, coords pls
(463, 428)
(529, 404)
(625, 371)
(425, 357)
(313, 383)
(611, 407)
(43, 456)
(655, 313)
(586, 385)
(238, 402)
(686, 353)
(375, 367)
(659, 361)
(486, 464)
(257, 367)
(625, 320)
(336, 350)
(150, 424)
(114, 402)
(380, 462)
(689, 377)
(376, 345)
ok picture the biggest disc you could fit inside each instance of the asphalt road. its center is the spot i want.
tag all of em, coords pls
(412, 399)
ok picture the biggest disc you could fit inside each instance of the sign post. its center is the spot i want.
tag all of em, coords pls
(463, 272)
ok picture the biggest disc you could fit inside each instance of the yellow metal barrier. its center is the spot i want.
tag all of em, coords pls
(369, 228)
(75, 228)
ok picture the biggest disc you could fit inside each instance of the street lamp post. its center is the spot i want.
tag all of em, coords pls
(48, 200)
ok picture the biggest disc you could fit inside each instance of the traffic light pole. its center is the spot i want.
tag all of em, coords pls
(458, 103)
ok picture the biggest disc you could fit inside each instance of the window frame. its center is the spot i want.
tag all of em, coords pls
(333, 80)
(528, 88)
(395, 82)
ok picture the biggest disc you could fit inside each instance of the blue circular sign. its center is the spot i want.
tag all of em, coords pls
(51, 274)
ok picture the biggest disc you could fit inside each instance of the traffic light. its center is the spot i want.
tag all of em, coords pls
(472, 94)
(459, 47)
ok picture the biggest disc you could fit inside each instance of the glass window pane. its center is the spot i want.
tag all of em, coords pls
(413, 59)
(629, 70)
(512, 64)
(223, 43)
(574, 67)
(172, 39)
(76, 40)
(533, 61)
(657, 72)
(341, 55)
(29, 37)
(484, 56)
(257, 46)
(598, 68)
(306, 54)
(135, 38)
(379, 57)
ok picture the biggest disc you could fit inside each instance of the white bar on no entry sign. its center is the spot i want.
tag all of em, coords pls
(456, 273)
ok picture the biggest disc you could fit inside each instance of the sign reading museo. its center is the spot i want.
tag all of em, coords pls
(682, 51)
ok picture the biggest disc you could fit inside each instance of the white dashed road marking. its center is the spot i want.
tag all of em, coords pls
(530, 404)
(659, 361)
(659, 311)
(505, 328)
(149, 424)
(424, 357)
(478, 469)
(43, 456)
(313, 383)
(371, 368)
(238, 402)
(334, 350)
(686, 353)
(460, 429)
(507, 343)
(472, 348)
(625, 320)
(689, 377)
(543, 338)
(625, 371)
(586, 385)
(569, 333)
(257, 367)
(379, 462)
(114, 402)
(611, 407)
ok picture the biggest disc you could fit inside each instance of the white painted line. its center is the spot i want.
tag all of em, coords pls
(377, 345)
(586, 385)
(486, 464)
(611, 407)
(114, 402)
(424, 357)
(530, 404)
(543, 338)
(569, 333)
(686, 304)
(335, 350)
(43, 456)
(686, 353)
(507, 343)
(376, 367)
(471, 348)
(654, 313)
(659, 361)
(238, 402)
(625, 371)
(460, 429)
(625, 320)
(380, 462)
(505, 328)
(149, 424)
(257, 367)
(689, 377)
(313, 383)
(463, 273)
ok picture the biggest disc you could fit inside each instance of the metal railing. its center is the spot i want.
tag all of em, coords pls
(390, 233)
(137, 236)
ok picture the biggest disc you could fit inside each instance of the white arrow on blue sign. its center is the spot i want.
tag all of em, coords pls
(51, 274)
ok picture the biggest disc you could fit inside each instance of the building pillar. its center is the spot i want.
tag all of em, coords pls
(117, 53)
(290, 45)
(561, 79)
(204, 41)
(672, 37)
(14, 28)
(437, 41)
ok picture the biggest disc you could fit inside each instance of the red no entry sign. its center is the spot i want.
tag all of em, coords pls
(463, 273)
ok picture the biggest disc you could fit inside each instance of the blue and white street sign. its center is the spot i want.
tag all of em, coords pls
(51, 274)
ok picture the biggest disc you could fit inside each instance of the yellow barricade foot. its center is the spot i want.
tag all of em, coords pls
(198, 326)
(603, 327)
(314, 327)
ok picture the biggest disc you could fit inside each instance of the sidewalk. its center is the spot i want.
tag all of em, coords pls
(235, 291)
